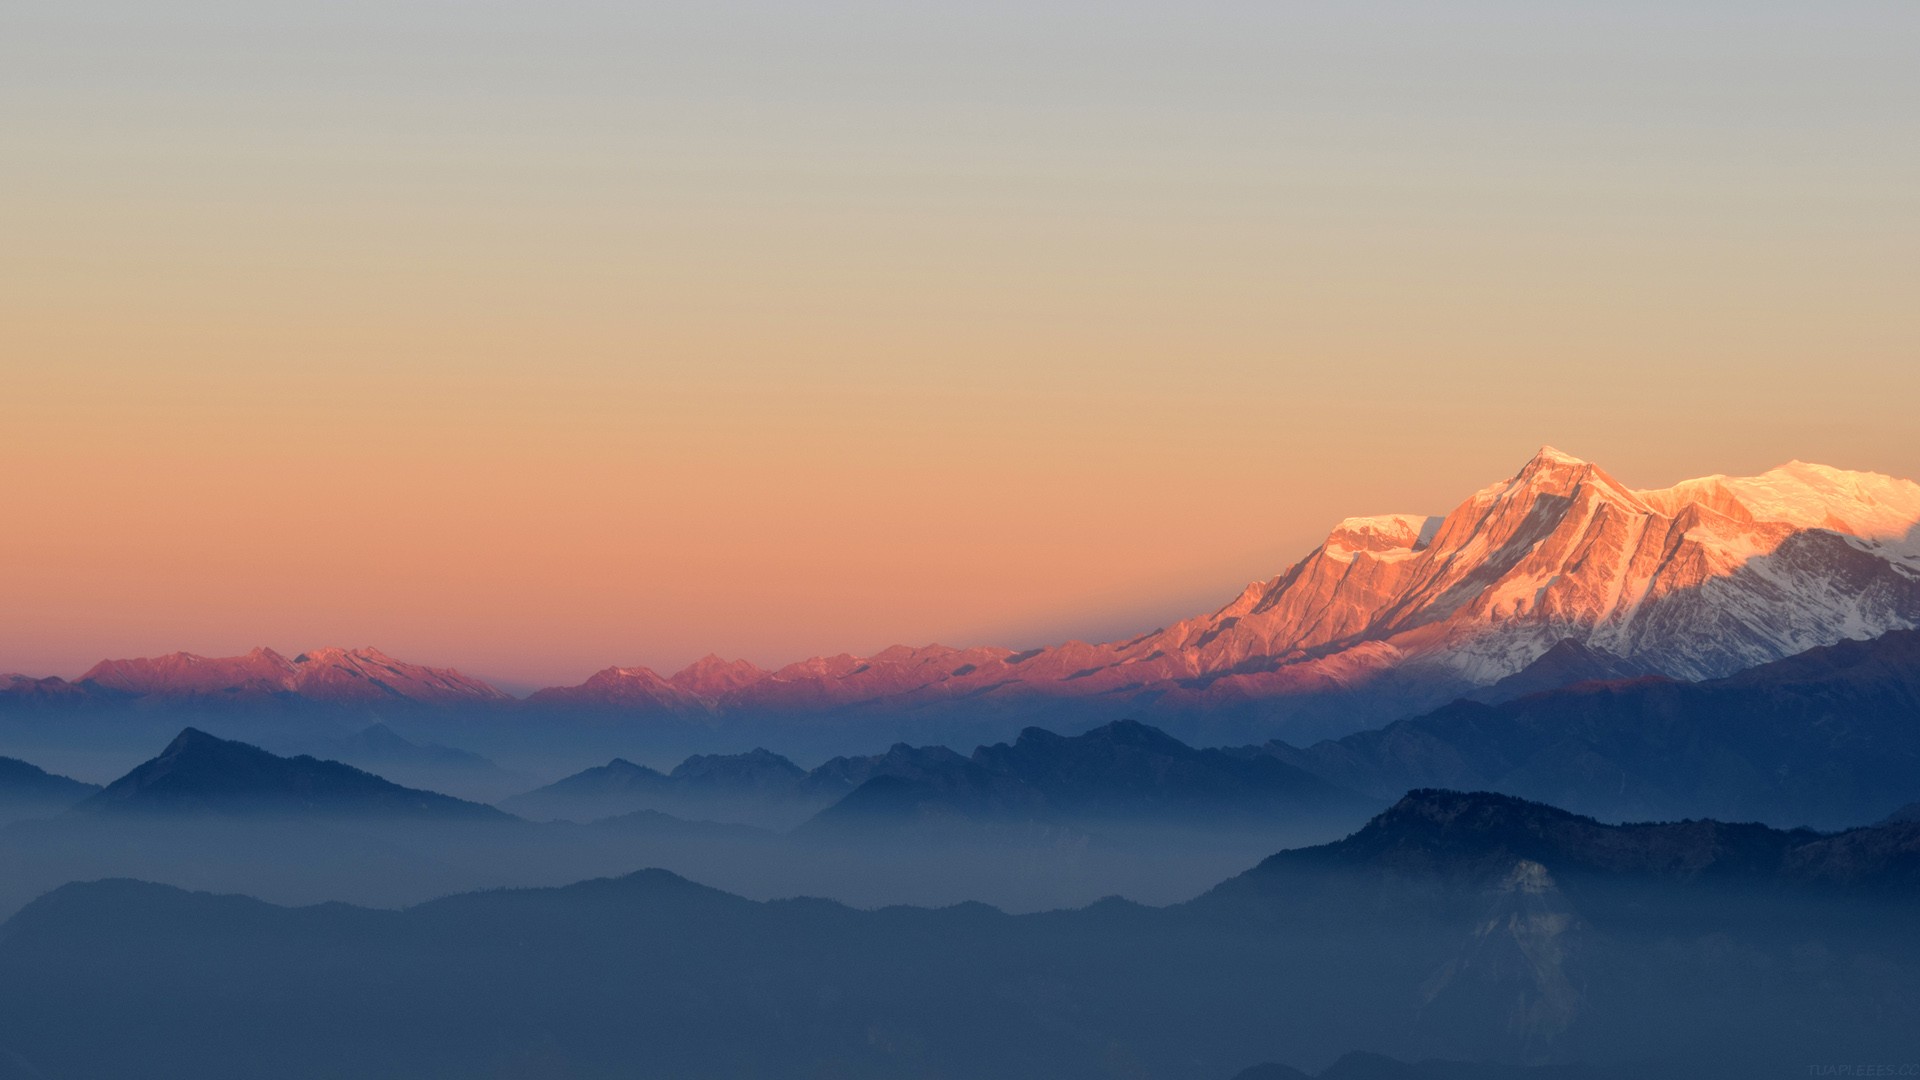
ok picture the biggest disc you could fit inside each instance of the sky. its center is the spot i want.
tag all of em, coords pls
(532, 338)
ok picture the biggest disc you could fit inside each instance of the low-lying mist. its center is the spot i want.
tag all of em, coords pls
(384, 862)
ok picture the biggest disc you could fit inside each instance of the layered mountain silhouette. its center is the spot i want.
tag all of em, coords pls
(209, 812)
(1124, 770)
(1556, 573)
(758, 786)
(378, 742)
(1468, 927)
(201, 774)
(215, 813)
(1725, 666)
(1479, 838)
(1825, 738)
(364, 678)
(379, 749)
(26, 790)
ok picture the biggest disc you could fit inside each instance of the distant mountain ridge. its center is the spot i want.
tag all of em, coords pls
(1390, 615)
(1124, 770)
(1694, 581)
(1828, 738)
(200, 773)
(1465, 835)
(380, 743)
(758, 786)
(365, 675)
(27, 790)
(379, 749)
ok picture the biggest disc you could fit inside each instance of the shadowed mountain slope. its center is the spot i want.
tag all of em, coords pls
(27, 790)
(199, 773)
(1431, 833)
(757, 787)
(618, 787)
(1828, 738)
(1124, 770)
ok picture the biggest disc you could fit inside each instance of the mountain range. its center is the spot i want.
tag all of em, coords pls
(338, 675)
(1826, 738)
(759, 786)
(1471, 927)
(208, 812)
(199, 773)
(1120, 771)
(1693, 581)
(1043, 822)
(1555, 574)
(378, 748)
(1124, 771)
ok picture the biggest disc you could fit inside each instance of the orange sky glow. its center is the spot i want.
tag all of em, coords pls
(530, 345)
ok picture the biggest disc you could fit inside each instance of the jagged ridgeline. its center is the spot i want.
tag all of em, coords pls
(1555, 574)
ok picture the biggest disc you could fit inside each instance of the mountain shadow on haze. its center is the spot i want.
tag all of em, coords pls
(1460, 927)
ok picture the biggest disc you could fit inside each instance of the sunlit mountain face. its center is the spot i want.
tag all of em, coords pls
(322, 674)
(1697, 580)
(1096, 456)
(1391, 614)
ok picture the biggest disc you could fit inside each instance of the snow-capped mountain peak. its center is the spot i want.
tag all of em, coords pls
(331, 674)
(1390, 613)
(1698, 579)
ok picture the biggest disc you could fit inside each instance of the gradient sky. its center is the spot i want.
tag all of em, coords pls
(530, 338)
